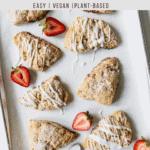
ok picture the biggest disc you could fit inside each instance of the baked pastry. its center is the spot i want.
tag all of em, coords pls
(102, 83)
(112, 132)
(47, 135)
(89, 34)
(36, 52)
(49, 95)
(101, 11)
(26, 16)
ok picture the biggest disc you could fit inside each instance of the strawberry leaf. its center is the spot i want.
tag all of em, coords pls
(146, 141)
(89, 117)
(143, 138)
(43, 23)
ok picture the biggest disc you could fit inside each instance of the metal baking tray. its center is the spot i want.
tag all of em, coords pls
(132, 96)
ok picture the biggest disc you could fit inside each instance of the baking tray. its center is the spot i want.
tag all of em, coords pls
(132, 96)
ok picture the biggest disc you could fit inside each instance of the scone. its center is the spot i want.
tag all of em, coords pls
(49, 95)
(47, 135)
(89, 34)
(112, 133)
(26, 16)
(102, 83)
(36, 52)
(101, 11)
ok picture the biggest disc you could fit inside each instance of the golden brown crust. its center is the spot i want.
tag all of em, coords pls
(36, 52)
(48, 135)
(116, 124)
(89, 34)
(102, 83)
(57, 96)
(26, 16)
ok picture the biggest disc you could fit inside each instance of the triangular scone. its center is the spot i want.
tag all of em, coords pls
(36, 52)
(26, 16)
(89, 34)
(47, 135)
(102, 83)
(112, 133)
(101, 11)
(49, 95)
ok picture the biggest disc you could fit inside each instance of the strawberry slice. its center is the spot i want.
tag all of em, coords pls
(82, 121)
(21, 76)
(142, 144)
(52, 27)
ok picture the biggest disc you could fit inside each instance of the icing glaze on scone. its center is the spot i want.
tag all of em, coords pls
(47, 96)
(38, 53)
(113, 132)
(89, 34)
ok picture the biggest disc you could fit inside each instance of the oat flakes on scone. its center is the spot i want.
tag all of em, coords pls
(89, 34)
(101, 11)
(47, 135)
(26, 16)
(102, 83)
(49, 95)
(36, 52)
(112, 133)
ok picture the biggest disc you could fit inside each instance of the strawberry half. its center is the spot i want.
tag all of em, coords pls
(52, 27)
(82, 121)
(21, 76)
(142, 144)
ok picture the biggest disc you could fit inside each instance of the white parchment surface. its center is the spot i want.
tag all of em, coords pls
(132, 96)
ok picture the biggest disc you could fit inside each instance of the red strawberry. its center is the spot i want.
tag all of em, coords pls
(142, 144)
(52, 26)
(21, 76)
(82, 121)
(94, 11)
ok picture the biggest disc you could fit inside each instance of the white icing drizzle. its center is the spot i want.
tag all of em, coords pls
(107, 130)
(56, 94)
(95, 38)
(32, 53)
(73, 46)
(83, 26)
(44, 57)
(48, 98)
(36, 99)
(27, 99)
(102, 141)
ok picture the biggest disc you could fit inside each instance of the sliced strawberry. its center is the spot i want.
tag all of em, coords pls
(142, 145)
(21, 76)
(82, 121)
(52, 26)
